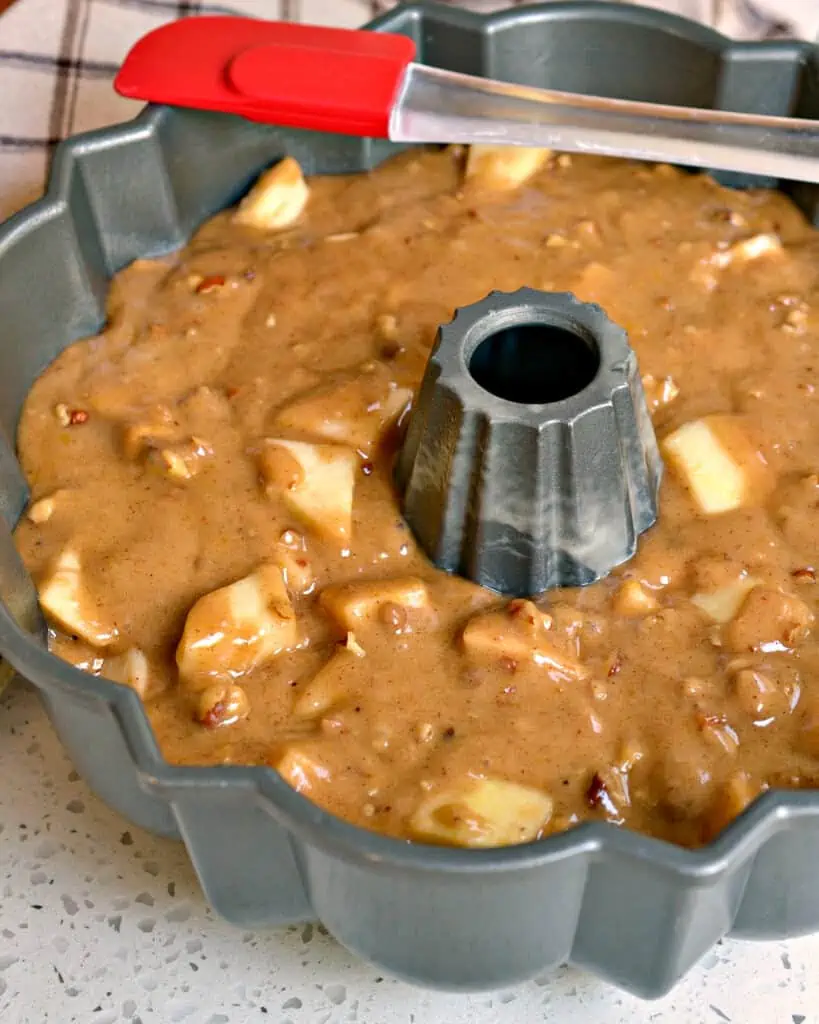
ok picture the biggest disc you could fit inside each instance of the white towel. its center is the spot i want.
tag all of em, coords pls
(57, 59)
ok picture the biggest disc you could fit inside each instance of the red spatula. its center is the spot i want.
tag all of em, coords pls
(367, 83)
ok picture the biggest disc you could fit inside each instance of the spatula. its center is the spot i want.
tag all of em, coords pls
(368, 84)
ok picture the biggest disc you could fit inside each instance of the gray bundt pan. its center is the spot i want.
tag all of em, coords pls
(635, 911)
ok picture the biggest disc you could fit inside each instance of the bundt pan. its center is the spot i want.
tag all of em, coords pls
(636, 911)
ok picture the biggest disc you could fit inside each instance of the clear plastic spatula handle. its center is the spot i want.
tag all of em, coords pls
(441, 106)
(366, 83)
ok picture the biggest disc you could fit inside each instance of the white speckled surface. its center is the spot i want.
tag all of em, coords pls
(101, 923)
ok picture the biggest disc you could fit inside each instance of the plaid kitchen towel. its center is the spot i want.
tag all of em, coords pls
(57, 58)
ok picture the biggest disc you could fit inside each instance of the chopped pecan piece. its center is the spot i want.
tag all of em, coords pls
(222, 704)
(210, 283)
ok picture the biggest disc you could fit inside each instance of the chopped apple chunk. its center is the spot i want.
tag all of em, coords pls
(716, 461)
(522, 634)
(316, 482)
(659, 392)
(277, 200)
(706, 271)
(206, 405)
(353, 606)
(357, 412)
(730, 801)
(157, 428)
(769, 621)
(231, 631)
(596, 283)
(760, 694)
(133, 669)
(721, 605)
(304, 772)
(503, 167)
(633, 599)
(353, 646)
(41, 511)
(182, 461)
(753, 249)
(64, 599)
(330, 684)
(483, 813)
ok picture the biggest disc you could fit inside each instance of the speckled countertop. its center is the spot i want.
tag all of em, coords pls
(102, 923)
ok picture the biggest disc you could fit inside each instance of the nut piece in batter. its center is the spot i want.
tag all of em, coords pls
(222, 704)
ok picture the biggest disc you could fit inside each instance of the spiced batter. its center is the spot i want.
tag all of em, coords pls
(157, 477)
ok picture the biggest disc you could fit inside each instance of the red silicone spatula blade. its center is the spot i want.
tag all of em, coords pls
(300, 76)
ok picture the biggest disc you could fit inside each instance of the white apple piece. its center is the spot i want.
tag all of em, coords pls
(301, 770)
(233, 630)
(482, 813)
(131, 668)
(358, 412)
(355, 606)
(721, 605)
(64, 599)
(715, 460)
(503, 168)
(316, 482)
(521, 634)
(632, 600)
(277, 200)
(334, 680)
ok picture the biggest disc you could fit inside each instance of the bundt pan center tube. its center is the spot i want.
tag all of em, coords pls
(530, 460)
(633, 910)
